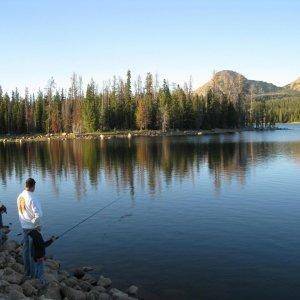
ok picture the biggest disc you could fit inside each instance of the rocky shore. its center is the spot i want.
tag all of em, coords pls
(115, 134)
(76, 285)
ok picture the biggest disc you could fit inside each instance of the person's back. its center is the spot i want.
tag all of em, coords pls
(29, 210)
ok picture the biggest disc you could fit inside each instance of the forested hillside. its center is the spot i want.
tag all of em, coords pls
(123, 104)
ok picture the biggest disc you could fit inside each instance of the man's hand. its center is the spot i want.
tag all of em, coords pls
(3, 209)
(54, 238)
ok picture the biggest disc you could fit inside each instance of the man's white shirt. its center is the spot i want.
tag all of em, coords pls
(30, 211)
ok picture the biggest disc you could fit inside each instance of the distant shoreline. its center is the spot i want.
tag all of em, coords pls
(106, 135)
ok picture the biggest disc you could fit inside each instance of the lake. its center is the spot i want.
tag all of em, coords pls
(206, 217)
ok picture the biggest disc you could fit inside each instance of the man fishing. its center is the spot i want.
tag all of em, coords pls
(30, 213)
(2, 210)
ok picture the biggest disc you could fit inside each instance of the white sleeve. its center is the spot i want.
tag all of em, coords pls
(37, 211)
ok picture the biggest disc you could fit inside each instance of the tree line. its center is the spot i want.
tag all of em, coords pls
(125, 105)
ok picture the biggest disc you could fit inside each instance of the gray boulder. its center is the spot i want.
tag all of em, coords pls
(99, 289)
(71, 281)
(53, 291)
(72, 294)
(3, 285)
(132, 290)
(15, 295)
(10, 245)
(18, 267)
(14, 287)
(87, 269)
(28, 289)
(49, 277)
(93, 295)
(12, 276)
(52, 264)
(119, 295)
(90, 279)
(78, 273)
(104, 281)
(85, 286)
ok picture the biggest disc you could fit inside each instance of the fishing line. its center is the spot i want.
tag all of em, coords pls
(84, 220)
(87, 218)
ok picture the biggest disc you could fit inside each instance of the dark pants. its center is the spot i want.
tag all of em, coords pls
(1, 225)
(27, 254)
(39, 271)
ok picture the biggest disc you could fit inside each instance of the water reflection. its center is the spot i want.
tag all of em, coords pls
(147, 162)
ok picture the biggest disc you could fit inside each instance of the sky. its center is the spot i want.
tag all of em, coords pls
(175, 39)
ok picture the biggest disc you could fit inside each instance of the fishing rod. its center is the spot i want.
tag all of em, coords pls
(84, 220)
(87, 218)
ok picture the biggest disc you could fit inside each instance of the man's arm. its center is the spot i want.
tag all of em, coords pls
(37, 211)
(2, 208)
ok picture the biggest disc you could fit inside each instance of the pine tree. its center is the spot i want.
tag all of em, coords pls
(90, 110)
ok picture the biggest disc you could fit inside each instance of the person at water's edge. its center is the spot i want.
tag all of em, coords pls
(2, 210)
(38, 252)
(30, 213)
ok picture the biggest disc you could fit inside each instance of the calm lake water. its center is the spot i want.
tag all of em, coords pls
(208, 217)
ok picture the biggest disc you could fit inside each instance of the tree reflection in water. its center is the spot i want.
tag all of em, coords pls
(143, 161)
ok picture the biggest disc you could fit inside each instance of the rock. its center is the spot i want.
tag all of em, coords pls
(62, 275)
(18, 267)
(71, 282)
(94, 295)
(105, 282)
(5, 230)
(53, 291)
(10, 261)
(104, 296)
(52, 264)
(50, 278)
(90, 279)
(2, 261)
(3, 285)
(132, 290)
(13, 287)
(35, 283)
(99, 289)
(87, 269)
(43, 297)
(15, 295)
(10, 245)
(28, 289)
(12, 276)
(72, 294)
(2, 296)
(119, 295)
(78, 273)
(19, 259)
(85, 286)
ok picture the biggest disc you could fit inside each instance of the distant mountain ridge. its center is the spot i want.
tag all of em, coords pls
(295, 85)
(229, 82)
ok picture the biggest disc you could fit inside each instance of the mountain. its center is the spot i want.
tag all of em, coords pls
(230, 82)
(294, 86)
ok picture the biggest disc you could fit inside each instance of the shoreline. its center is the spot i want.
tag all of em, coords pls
(106, 135)
(78, 284)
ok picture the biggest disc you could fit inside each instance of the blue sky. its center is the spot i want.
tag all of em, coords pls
(176, 39)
